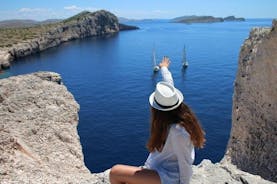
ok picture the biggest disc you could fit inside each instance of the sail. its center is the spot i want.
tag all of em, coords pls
(184, 59)
(154, 58)
(155, 66)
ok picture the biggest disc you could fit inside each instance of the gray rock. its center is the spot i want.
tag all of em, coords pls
(39, 142)
(254, 120)
(5, 58)
(224, 172)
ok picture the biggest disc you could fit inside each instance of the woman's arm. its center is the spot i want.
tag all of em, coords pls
(166, 74)
(185, 154)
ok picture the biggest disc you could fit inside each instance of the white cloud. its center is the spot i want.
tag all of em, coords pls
(72, 8)
(33, 10)
(39, 13)
(29, 13)
(77, 8)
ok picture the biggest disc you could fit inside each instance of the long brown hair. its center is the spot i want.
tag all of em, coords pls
(161, 121)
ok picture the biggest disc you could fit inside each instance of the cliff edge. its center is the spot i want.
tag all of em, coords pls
(254, 118)
(39, 142)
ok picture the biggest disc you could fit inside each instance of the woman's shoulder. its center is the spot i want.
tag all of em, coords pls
(178, 129)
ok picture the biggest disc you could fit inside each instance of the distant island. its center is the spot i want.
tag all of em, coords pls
(204, 19)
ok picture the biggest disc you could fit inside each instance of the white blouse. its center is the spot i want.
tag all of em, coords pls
(174, 162)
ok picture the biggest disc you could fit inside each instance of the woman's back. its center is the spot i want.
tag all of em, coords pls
(177, 149)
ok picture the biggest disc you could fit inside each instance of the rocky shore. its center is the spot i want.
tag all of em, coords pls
(85, 24)
(39, 142)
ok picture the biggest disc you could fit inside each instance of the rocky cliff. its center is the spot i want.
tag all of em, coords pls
(254, 119)
(39, 142)
(83, 25)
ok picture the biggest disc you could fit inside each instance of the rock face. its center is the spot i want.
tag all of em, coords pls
(223, 172)
(38, 136)
(254, 121)
(83, 25)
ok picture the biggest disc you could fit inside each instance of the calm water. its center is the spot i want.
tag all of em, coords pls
(111, 78)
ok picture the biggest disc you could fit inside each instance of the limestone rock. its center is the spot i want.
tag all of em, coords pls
(39, 142)
(208, 173)
(224, 172)
(254, 119)
(5, 58)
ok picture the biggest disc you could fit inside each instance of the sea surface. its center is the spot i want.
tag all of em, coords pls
(111, 78)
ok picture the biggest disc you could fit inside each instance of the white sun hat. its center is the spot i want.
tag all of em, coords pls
(166, 97)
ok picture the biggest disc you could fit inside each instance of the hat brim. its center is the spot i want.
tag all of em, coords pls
(156, 106)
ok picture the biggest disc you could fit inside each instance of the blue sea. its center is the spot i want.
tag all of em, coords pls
(111, 78)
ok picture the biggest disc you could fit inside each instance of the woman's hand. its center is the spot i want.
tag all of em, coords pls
(165, 62)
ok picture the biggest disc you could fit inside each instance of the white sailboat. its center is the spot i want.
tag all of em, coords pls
(156, 68)
(185, 63)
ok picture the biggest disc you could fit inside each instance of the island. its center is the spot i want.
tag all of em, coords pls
(17, 42)
(204, 19)
(233, 18)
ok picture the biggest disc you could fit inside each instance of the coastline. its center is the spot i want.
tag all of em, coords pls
(85, 24)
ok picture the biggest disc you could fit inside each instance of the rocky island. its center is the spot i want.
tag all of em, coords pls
(204, 19)
(233, 18)
(20, 42)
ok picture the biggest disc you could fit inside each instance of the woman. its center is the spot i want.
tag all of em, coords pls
(174, 133)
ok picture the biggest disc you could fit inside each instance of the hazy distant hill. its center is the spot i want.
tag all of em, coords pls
(25, 22)
(204, 19)
(123, 19)
(233, 18)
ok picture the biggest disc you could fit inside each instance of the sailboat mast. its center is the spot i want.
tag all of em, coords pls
(184, 55)
(184, 60)
(154, 57)
(155, 66)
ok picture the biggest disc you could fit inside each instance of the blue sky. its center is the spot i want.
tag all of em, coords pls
(47, 9)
